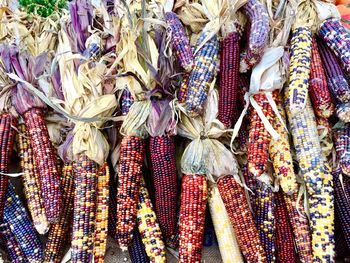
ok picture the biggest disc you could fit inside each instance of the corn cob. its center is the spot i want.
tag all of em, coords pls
(318, 89)
(202, 74)
(299, 69)
(162, 153)
(225, 234)
(13, 249)
(241, 218)
(46, 163)
(126, 102)
(130, 163)
(180, 41)
(137, 250)
(31, 183)
(112, 215)
(101, 231)
(181, 96)
(229, 70)
(337, 38)
(259, 137)
(22, 228)
(280, 152)
(301, 228)
(265, 218)
(149, 228)
(192, 217)
(84, 212)
(7, 136)
(259, 21)
(284, 232)
(59, 232)
(342, 147)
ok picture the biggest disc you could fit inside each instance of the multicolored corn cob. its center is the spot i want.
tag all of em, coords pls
(13, 249)
(202, 74)
(84, 212)
(180, 41)
(137, 250)
(284, 233)
(129, 177)
(228, 245)
(46, 162)
(342, 147)
(164, 177)
(149, 228)
(229, 74)
(265, 218)
(7, 137)
(241, 218)
(18, 220)
(182, 93)
(259, 32)
(59, 232)
(318, 89)
(31, 182)
(259, 137)
(101, 228)
(192, 217)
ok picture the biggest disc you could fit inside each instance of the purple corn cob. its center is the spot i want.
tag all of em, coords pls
(137, 250)
(342, 146)
(127, 101)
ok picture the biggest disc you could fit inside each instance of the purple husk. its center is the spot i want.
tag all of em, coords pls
(160, 121)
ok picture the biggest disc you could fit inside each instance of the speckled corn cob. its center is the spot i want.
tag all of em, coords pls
(112, 215)
(7, 137)
(299, 69)
(101, 228)
(149, 228)
(59, 232)
(265, 218)
(180, 41)
(137, 250)
(17, 218)
(13, 249)
(182, 93)
(31, 182)
(129, 176)
(280, 152)
(318, 89)
(342, 147)
(192, 217)
(202, 74)
(241, 218)
(259, 137)
(84, 212)
(228, 245)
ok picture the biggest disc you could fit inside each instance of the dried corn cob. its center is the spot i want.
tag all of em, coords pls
(229, 74)
(265, 218)
(180, 41)
(17, 218)
(130, 163)
(182, 93)
(7, 137)
(318, 89)
(259, 20)
(112, 215)
(284, 232)
(31, 182)
(137, 250)
(84, 212)
(101, 228)
(59, 232)
(162, 153)
(301, 228)
(13, 249)
(225, 234)
(241, 218)
(202, 74)
(259, 137)
(192, 217)
(342, 147)
(149, 228)
(280, 152)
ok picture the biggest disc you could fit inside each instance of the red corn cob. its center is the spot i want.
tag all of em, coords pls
(45, 159)
(162, 151)
(129, 177)
(241, 218)
(7, 138)
(192, 217)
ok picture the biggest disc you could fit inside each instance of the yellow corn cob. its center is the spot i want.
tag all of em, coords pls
(31, 182)
(149, 227)
(101, 227)
(280, 153)
(228, 245)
